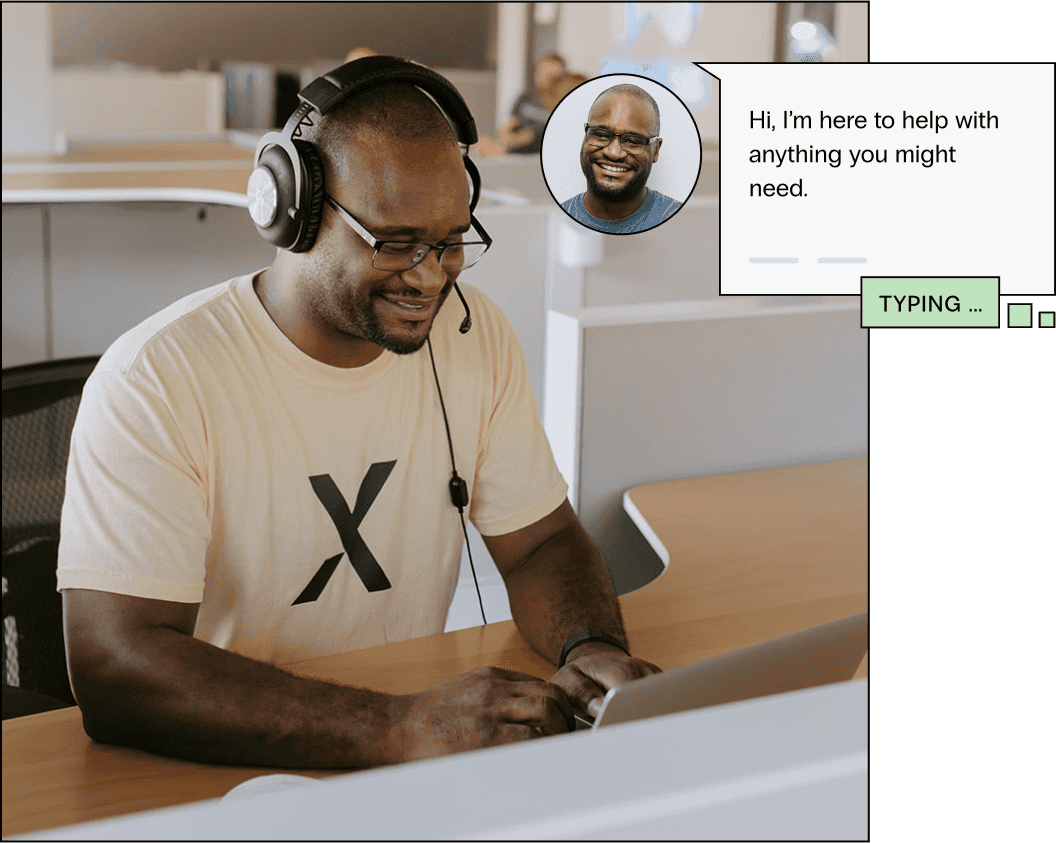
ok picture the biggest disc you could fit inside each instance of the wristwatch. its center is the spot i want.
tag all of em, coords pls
(582, 637)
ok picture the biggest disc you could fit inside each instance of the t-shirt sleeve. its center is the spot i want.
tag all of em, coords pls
(134, 516)
(517, 481)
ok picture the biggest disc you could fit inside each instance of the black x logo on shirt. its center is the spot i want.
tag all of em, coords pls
(347, 524)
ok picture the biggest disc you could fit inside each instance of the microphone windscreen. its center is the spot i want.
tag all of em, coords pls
(467, 323)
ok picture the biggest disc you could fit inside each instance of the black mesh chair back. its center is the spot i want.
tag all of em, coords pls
(40, 403)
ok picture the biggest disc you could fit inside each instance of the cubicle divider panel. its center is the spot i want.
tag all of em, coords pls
(123, 105)
(25, 287)
(113, 265)
(690, 389)
(676, 261)
(518, 177)
(513, 275)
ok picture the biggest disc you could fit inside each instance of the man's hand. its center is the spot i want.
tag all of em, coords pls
(486, 707)
(592, 669)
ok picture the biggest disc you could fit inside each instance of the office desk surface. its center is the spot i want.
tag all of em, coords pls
(771, 552)
(129, 153)
(753, 556)
(206, 171)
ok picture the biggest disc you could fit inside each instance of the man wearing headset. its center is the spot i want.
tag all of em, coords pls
(259, 474)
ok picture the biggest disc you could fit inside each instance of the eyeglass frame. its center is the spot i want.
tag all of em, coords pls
(586, 131)
(377, 244)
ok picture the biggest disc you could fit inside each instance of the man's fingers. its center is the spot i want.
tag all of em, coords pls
(587, 680)
(513, 733)
(508, 675)
(581, 689)
(609, 675)
(554, 693)
(548, 709)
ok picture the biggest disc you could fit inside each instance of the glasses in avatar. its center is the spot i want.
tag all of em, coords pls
(398, 256)
(631, 142)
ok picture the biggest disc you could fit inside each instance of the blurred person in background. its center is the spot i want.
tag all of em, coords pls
(522, 133)
(359, 53)
(556, 91)
(561, 87)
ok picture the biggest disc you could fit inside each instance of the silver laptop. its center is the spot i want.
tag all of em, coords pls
(820, 655)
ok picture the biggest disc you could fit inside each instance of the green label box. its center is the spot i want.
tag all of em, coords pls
(931, 303)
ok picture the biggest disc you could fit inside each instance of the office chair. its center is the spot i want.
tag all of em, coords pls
(40, 402)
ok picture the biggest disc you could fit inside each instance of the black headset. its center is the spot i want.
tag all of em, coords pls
(287, 187)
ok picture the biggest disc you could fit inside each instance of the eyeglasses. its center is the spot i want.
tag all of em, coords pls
(397, 256)
(631, 142)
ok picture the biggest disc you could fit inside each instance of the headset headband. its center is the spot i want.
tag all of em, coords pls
(321, 96)
(352, 78)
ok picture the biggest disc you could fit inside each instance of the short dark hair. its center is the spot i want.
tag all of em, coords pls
(392, 109)
(638, 94)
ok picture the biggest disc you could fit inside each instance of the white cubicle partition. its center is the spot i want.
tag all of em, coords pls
(516, 176)
(124, 104)
(785, 767)
(513, 275)
(685, 389)
(26, 302)
(676, 261)
(113, 265)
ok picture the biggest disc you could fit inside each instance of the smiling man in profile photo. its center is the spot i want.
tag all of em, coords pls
(621, 142)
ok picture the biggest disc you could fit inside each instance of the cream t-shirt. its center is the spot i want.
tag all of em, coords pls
(304, 506)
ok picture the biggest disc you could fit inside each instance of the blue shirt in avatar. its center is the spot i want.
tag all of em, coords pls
(654, 210)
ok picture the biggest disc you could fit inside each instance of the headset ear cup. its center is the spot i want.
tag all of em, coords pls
(314, 195)
(282, 231)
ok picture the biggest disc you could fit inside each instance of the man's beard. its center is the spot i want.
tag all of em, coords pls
(366, 320)
(613, 194)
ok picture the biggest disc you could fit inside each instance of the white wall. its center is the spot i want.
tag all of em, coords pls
(725, 32)
(511, 49)
(852, 31)
(588, 32)
(179, 36)
(27, 78)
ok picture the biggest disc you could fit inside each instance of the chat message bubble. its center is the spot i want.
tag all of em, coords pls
(834, 171)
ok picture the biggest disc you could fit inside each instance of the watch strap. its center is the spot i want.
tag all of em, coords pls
(582, 637)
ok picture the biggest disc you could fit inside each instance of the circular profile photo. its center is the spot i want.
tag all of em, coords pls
(621, 154)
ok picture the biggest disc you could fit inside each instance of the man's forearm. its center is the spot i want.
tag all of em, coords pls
(179, 696)
(563, 587)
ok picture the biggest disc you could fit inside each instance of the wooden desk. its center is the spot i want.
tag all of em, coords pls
(753, 556)
(205, 171)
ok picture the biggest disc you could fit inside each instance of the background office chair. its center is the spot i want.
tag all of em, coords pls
(40, 402)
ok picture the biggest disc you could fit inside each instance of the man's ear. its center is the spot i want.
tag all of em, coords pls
(656, 149)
